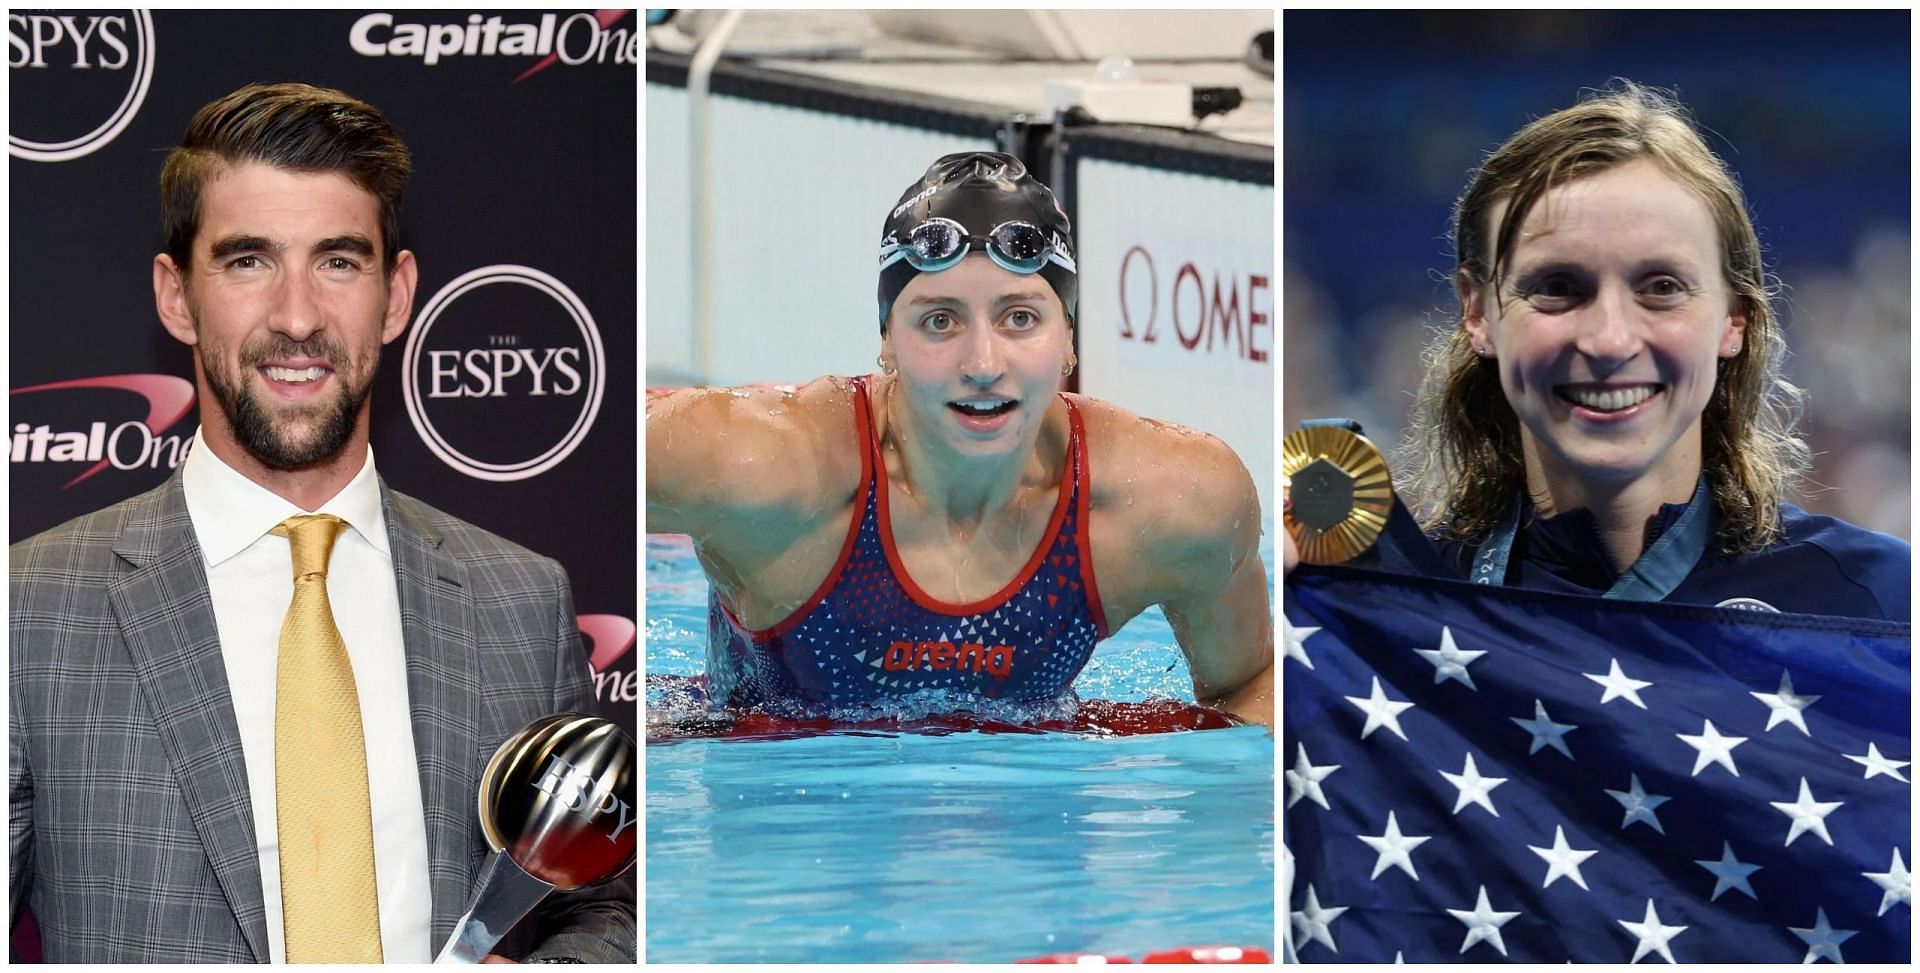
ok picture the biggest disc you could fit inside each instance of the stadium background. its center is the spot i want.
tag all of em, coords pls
(1386, 113)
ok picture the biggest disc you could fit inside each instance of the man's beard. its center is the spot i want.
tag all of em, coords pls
(256, 428)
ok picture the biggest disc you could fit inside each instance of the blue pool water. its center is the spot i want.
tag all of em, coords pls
(968, 847)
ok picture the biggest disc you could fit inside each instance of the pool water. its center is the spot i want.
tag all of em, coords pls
(962, 847)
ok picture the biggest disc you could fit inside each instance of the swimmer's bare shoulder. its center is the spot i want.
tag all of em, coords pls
(760, 459)
(1177, 522)
(1170, 488)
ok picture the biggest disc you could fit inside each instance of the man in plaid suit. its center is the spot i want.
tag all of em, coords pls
(143, 636)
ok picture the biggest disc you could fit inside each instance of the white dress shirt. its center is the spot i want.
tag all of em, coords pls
(250, 574)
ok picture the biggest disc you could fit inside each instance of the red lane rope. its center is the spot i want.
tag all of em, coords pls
(1182, 954)
(1102, 716)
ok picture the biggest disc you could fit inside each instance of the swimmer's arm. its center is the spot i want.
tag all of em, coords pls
(1219, 607)
(715, 454)
(682, 430)
(1228, 640)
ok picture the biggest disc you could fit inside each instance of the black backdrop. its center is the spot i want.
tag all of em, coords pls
(525, 162)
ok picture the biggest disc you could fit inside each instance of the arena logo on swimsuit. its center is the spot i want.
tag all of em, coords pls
(996, 661)
(75, 73)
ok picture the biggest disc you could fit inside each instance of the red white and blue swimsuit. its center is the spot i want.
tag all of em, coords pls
(869, 633)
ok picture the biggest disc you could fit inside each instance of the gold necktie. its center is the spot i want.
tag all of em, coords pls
(328, 897)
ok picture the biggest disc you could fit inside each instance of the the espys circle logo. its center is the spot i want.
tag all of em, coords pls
(68, 69)
(505, 388)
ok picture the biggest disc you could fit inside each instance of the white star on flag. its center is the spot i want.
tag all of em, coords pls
(1618, 686)
(1380, 711)
(1653, 936)
(1713, 749)
(1822, 939)
(1807, 814)
(1473, 787)
(1877, 764)
(1451, 661)
(1483, 923)
(1395, 849)
(1304, 781)
(1546, 733)
(1729, 873)
(1311, 923)
(1563, 861)
(1639, 805)
(1786, 706)
(1684, 681)
(1895, 881)
(1296, 637)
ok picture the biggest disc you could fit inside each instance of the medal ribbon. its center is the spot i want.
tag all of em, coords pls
(1659, 570)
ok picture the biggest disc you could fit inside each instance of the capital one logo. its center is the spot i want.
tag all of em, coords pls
(581, 38)
(504, 373)
(78, 80)
(74, 429)
(609, 638)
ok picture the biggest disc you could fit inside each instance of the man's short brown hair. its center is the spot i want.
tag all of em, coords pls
(289, 126)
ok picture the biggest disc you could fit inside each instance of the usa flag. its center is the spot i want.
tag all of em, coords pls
(1478, 774)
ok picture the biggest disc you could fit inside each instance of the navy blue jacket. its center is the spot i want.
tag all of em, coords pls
(1822, 566)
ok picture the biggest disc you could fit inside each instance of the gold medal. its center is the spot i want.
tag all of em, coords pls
(1340, 493)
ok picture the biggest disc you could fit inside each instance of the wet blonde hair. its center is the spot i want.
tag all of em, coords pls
(1462, 456)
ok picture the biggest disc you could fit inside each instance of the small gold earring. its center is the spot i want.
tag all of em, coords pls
(886, 367)
(1064, 372)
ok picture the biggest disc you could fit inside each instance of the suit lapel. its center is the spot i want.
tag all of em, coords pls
(443, 692)
(166, 616)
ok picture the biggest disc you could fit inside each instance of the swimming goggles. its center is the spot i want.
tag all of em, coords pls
(940, 243)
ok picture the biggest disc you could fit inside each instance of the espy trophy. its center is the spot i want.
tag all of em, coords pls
(556, 806)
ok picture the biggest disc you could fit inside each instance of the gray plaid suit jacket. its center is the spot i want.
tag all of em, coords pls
(132, 835)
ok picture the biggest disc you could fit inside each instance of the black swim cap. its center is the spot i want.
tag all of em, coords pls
(979, 191)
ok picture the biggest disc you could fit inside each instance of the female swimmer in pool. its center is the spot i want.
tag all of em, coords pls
(954, 527)
(1609, 417)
